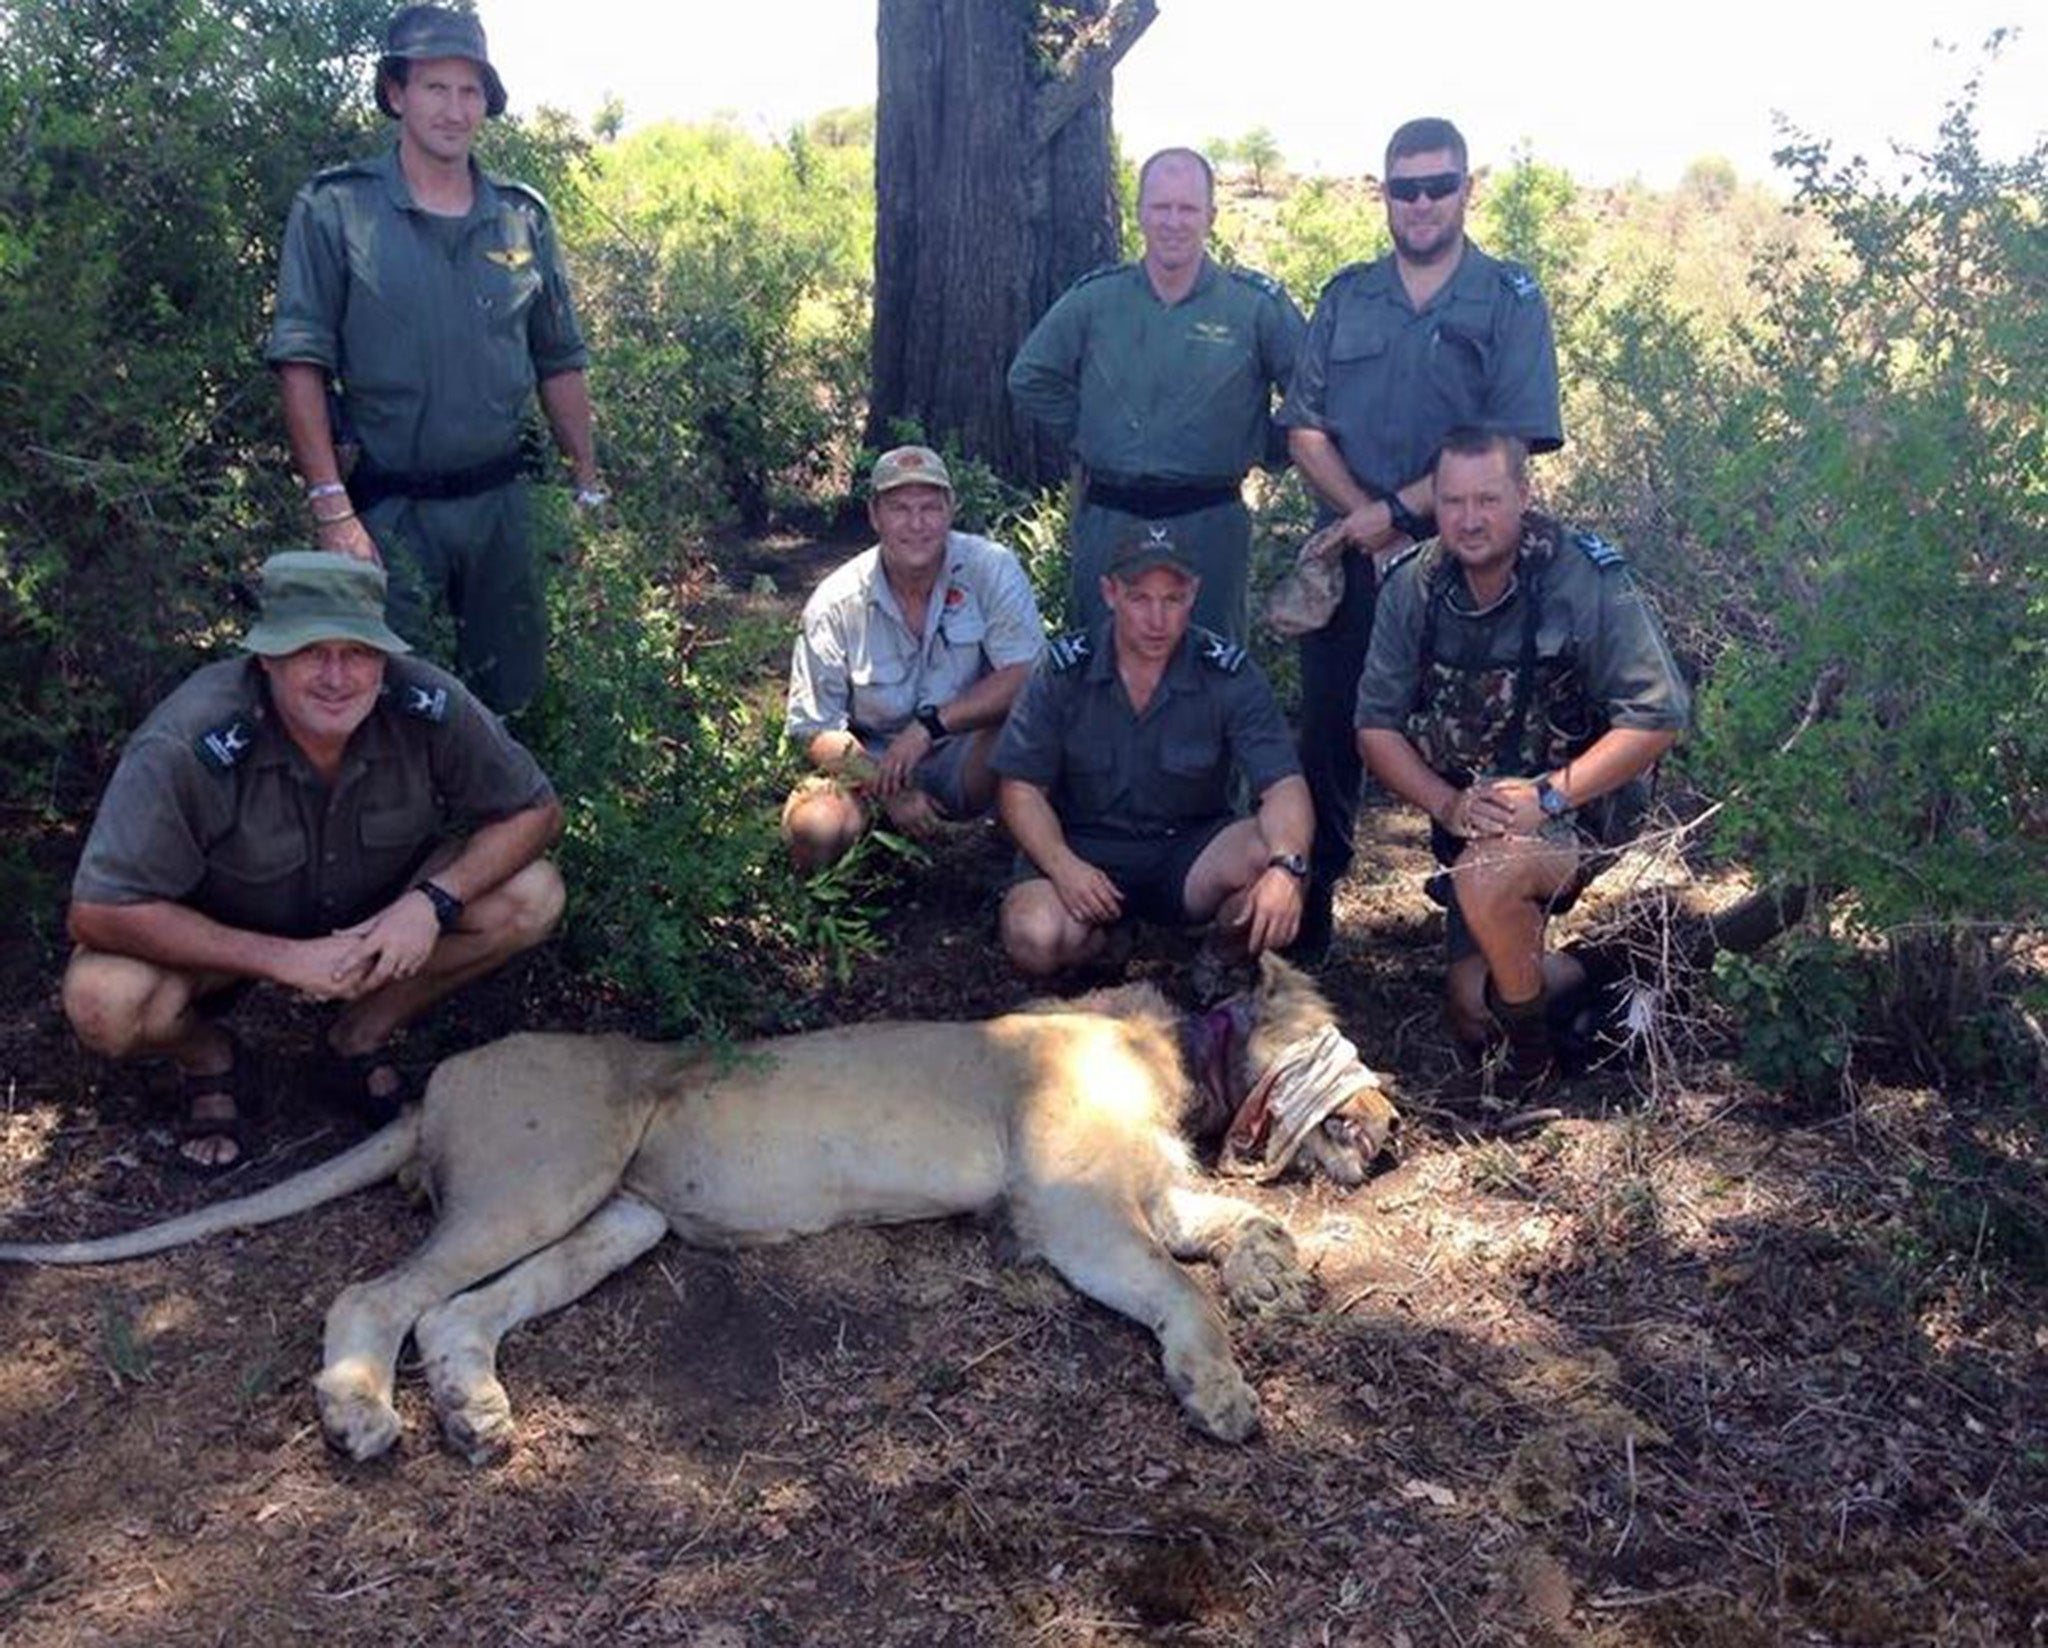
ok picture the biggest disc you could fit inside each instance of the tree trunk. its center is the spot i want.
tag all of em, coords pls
(995, 188)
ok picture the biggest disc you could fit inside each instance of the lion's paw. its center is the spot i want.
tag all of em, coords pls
(1222, 1403)
(355, 1417)
(1262, 1276)
(481, 1428)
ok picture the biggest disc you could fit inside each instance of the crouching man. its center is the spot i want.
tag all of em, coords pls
(1115, 777)
(326, 815)
(906, 662)
(1519, 690)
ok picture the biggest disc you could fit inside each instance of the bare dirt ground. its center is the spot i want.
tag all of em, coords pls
(1685, 1367)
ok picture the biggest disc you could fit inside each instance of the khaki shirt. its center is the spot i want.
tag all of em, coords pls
(214, 807)
(435, 329)
(857, 665)
(1072, 733)
(1150, 391)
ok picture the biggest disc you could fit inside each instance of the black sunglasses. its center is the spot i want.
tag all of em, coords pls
(1436, 185)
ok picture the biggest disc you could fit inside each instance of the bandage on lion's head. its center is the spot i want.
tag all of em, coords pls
(1277, 1081)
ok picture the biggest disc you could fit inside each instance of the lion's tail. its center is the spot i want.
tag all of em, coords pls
(376, 1159)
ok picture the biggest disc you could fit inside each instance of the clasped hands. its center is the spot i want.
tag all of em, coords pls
(391, 945)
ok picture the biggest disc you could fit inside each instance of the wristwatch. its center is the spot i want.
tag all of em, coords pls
(1293, 863)
(447, 907)
(1554, 802)
(928, 718)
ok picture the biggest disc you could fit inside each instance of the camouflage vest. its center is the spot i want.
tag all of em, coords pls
(1500, 720)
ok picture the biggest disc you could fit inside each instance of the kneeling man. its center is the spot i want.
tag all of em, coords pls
(325, 815)
(1519, 690)
(906, 662)
(1115, 776)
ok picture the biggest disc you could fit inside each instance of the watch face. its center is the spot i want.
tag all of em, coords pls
(1293, 863)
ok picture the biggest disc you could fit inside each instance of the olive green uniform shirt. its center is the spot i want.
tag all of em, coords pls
(1073, 734)
(214, 807)
(1152, 394)
(1595, 631)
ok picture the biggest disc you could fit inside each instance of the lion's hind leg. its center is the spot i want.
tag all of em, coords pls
(458, 1340)
(1103, 1246)
(1261, 1271)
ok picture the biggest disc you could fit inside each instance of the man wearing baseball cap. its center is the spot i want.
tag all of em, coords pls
(327, 814)
(429, 297)
(905, 664)
(1115, 778)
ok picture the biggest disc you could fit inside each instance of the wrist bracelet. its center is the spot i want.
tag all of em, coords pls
(325, 489)
(334, 520)
(447, 907)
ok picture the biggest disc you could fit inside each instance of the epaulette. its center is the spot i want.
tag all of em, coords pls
(1259, 282)
(1219, 652)
(1404, 558)
(1067, 650)
(1520, 282)
(423, 701)
(1097, 274)
(1352, 271)
(223, 747)
(1599, 551)
(512, 186)
(348, 168)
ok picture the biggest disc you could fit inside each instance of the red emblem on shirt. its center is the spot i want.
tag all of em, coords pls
(955, 595)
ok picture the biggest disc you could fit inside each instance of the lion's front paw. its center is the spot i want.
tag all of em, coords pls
(1223, 1405)
(355, 1416)
(1262, 1276)
(481, 1428)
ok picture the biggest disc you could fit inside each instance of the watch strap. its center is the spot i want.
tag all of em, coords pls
(928, 718)
(447, 907)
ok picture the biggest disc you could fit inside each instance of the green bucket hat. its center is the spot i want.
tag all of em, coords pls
(418, 34)
(908, 466)
(312, 595)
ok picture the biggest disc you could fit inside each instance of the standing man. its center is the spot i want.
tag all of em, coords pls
(1159, 376)
(1518, 691)
(1432, 337)
(326, 815)
(1116, 775)
(430, 297)
(905, 665)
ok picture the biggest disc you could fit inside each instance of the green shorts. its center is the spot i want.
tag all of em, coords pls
(1150, 871)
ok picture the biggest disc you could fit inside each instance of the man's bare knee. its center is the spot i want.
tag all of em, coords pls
(820, 826)
(120, 1006)
(1035, 932)
(536, 899)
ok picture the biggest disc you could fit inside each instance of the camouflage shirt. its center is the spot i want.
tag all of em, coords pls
(1532, 680)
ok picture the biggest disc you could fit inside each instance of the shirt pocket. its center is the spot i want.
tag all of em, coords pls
(880, 685)
(256, 882)
(393, 841)
(1089, 775)
(1193, 775)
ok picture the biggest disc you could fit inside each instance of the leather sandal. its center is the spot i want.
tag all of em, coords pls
(190, 1129)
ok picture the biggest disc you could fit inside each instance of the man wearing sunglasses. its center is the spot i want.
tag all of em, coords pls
(1432, 337)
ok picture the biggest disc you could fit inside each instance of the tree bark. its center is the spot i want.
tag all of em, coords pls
(995, 188)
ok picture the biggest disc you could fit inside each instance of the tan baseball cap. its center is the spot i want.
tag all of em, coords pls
(908, 466)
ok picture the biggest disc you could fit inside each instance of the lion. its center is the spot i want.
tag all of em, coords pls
(556, 1159)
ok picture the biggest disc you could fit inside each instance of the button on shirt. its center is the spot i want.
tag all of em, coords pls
(1147, 390)
(435, 328)
(1386, 381)
(263, 844)
(858, 666)
(1072, 733)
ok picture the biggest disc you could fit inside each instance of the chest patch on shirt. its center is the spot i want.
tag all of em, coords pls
(954, 596)
(512, 257)
(1212, 331)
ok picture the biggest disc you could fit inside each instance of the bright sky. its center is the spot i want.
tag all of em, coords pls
(1605, 89)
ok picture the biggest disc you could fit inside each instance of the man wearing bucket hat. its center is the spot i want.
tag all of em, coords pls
(905, 664)
(1115, 778)
(328, 815)
(430, 298)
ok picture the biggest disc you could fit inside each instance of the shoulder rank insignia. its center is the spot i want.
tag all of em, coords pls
(1599, 551)
(1097, 274)
(1260, 282)
(1518, 281)
(222, 747)
(512, 186)
(334, 174)
(1219, 652)
(1067, 650)
(1404, 558)
(514, 258)
(423, 703)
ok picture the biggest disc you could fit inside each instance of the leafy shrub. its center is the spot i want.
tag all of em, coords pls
(1799, 1009)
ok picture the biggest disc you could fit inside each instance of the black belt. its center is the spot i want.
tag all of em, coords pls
(1159, 500)
(368, 484)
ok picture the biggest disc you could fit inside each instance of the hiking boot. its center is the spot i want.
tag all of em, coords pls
(1311, 946)
(1531, 1063)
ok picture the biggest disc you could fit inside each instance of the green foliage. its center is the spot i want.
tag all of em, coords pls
(1323, 224)
(1799, 1008)
(671, 780)
(723, 282)
(1039, 531)
(1529, 214)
